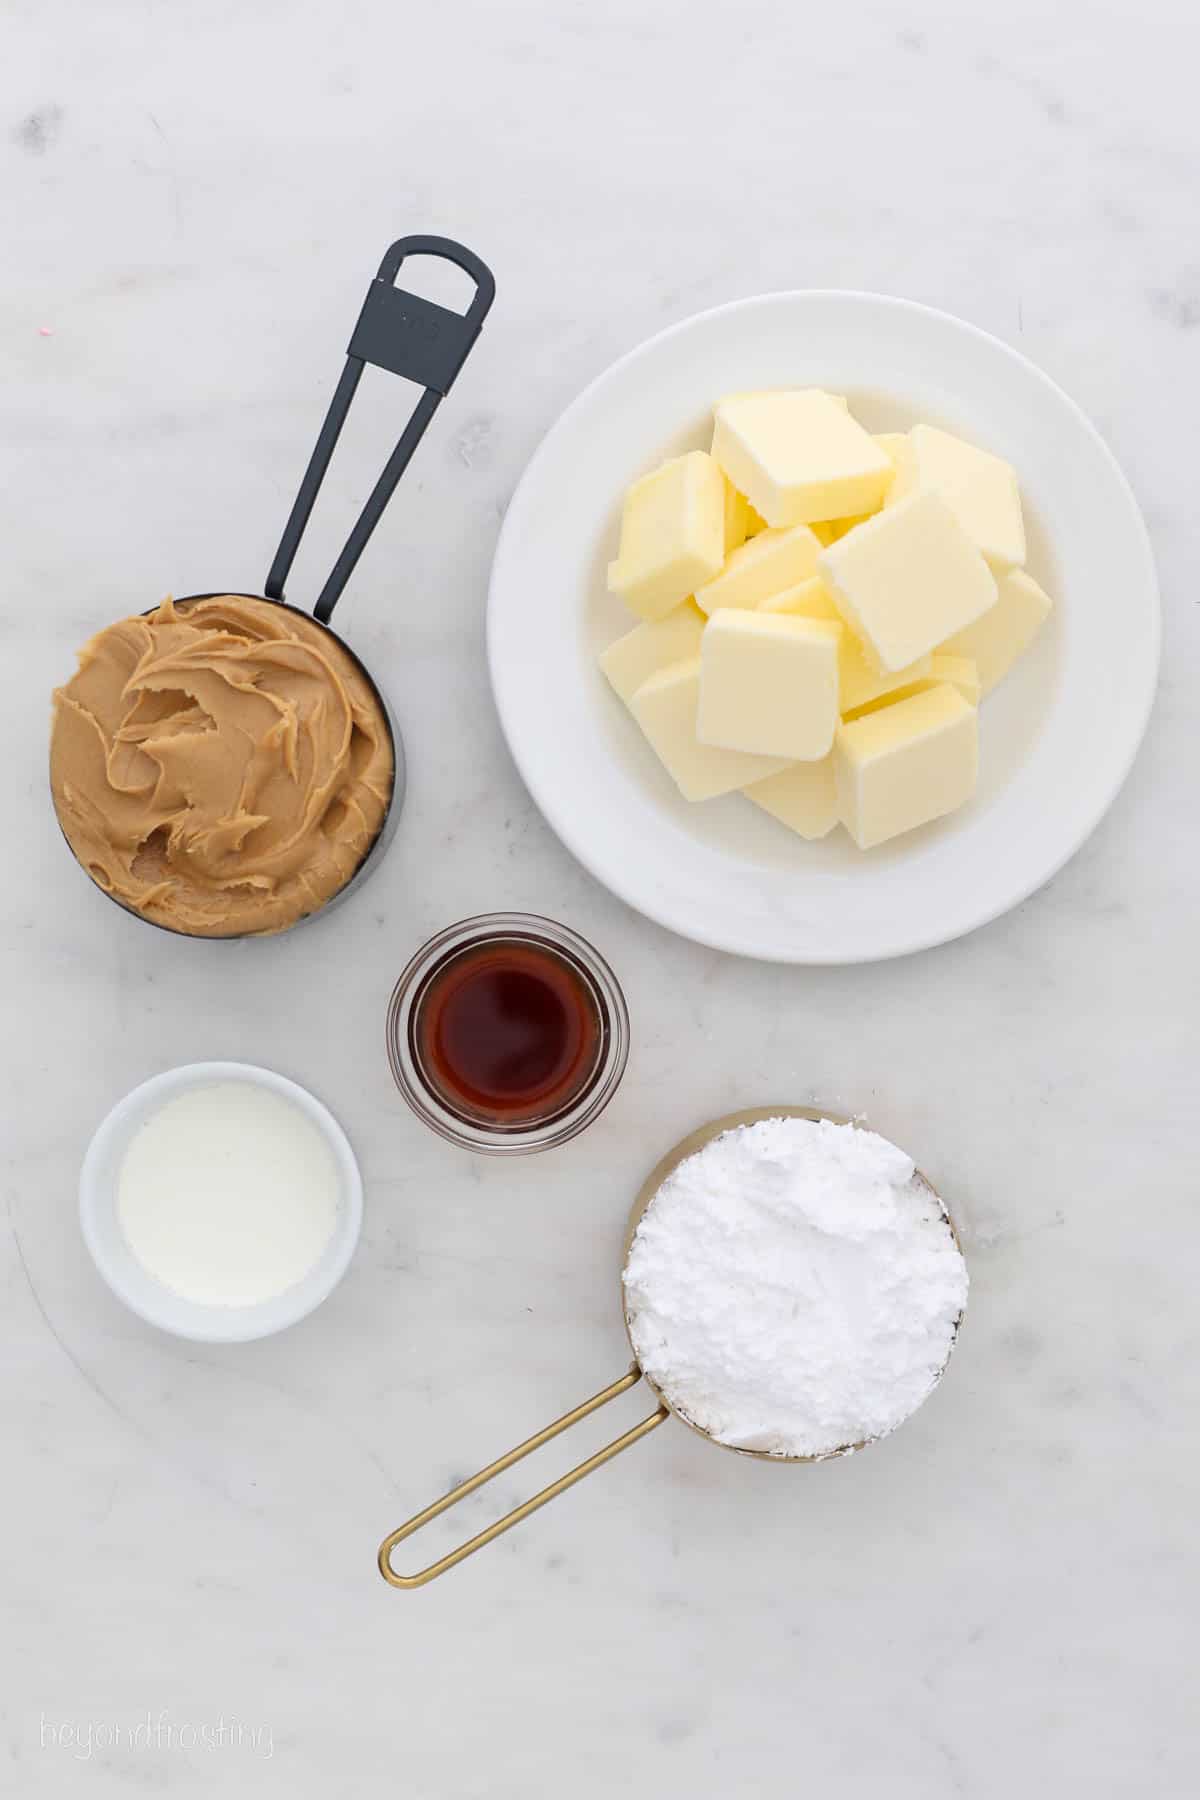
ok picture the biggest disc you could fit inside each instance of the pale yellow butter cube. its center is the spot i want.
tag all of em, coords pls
(955, 671)
(1006, 632)
(862, 682)
(838, 528)
(961, 672)
(672, 535)
(665, 707)
(809, 599)
(897, 446)
(980, 489)
(737, 517)
(804, 797)
(799, 456)
(769, 393)
(894, 444)
(769, 684)
(905, 764)
(859, 681)
(763, 566)
(655, 645)
(908, 580)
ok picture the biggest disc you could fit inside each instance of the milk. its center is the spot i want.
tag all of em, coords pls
(228, 1194)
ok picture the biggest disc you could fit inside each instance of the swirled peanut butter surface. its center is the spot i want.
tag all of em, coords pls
(220, 767)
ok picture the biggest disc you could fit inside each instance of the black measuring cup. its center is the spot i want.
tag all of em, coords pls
(426, 343)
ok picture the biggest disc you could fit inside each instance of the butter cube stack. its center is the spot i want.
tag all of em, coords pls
(908, 580)
(652, 646)
(822, 612)
(672, 535)
(769, 684)
(906, 764)
(994, 642)
(860, 679)
(803, 797)
(760, 567)
(665, 706)
(799, 455)
(980, 490)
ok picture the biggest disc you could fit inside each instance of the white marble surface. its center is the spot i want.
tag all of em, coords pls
(996, 1601)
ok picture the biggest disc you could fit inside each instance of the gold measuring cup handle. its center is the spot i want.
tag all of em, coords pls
(646, 1425)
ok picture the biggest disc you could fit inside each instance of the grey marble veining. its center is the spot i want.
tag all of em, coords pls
(996, 1601)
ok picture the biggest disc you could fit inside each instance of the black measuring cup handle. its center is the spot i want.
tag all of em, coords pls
(408, 336)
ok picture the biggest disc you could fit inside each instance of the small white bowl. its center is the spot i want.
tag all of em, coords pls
(133, 1284)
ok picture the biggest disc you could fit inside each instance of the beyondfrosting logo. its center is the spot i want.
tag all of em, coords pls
(156, 1732)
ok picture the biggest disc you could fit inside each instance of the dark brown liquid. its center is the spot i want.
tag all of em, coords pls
(508, 1032)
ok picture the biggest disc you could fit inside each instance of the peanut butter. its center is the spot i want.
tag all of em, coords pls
(220, 767)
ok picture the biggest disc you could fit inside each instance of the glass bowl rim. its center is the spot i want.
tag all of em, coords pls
(484, 1139)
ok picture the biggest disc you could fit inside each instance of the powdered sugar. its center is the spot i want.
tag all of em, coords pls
(794, 1287)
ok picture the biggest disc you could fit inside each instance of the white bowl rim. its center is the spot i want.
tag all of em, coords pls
(575, 840)
(190, 1319)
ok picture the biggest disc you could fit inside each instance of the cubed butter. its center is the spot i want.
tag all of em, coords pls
(957, 671)
(652, 646)
(894, 444)
(980, 489)
(769, 684)
(665, 707)
(861, 682)
(672, 535)
(837, 528)
(859, 679)
(768, 393)
(961, 672)
(1006, 631)
(900, 578)
(804, 797)
(765, 565)
(737, 517)
(809, 599)
(799, 456)
(903, 765)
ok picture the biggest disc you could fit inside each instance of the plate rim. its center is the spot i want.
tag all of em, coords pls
(914, 942)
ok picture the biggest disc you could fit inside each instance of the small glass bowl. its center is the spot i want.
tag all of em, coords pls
(494, 1138)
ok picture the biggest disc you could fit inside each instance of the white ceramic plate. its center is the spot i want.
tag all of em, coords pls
(1057, 738)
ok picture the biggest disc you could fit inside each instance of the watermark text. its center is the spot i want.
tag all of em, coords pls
(157, 1732)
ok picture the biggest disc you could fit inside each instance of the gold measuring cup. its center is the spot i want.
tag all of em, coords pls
(695, 1141)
